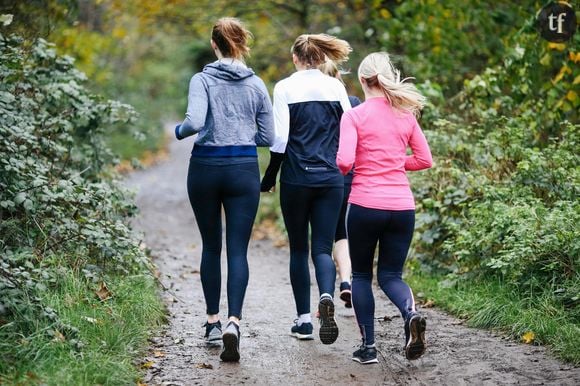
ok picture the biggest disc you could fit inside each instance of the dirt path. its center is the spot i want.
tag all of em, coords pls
(456, 355)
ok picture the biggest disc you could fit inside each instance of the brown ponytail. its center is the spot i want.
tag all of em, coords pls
(313, 50)
(231, 37)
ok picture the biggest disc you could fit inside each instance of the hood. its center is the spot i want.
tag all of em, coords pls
(227, 71)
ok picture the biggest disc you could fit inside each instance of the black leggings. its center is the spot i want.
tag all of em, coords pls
(317, 207)
(393, 231)
(237, 188)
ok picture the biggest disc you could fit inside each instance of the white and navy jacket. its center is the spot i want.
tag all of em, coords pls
(308, 106)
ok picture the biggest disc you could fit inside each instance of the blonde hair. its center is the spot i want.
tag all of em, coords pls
(231, 37)
(378, 72)
(314, 50)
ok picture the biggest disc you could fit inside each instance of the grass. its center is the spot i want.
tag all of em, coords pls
(95, 343)
(536, 318)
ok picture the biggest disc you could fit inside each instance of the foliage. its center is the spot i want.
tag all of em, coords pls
(58, 193)
(524, 315)
(436, 39)
(502, 198)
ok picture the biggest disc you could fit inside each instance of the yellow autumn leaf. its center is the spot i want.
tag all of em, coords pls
(528, 337)
(119, 32)
(576, 80)
(158, 354)
(563, 71)
(571, 96)
(148, 365)
(574, 56)
(385, 14)
(557, 46)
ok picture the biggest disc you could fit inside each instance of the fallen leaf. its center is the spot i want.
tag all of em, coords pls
(58, 336)
(90, 320)
(204, 366)
(158, 354)
(429, 304)
(148, 364)
(528, 337)
(103, 293)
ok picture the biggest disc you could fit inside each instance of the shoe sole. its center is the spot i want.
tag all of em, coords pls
(214, 341)
(328, 328)
(346, 297)
(368, 362)
(231, 352)
(302, 336)
(416, 345)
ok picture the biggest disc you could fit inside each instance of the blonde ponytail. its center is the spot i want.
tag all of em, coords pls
(313, 50)
(378, 72)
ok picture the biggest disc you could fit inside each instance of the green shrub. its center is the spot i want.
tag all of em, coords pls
(58, 192)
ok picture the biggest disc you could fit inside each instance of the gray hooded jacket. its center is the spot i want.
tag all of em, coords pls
(229, 106)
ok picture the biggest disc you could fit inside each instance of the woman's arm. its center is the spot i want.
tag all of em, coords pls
(346, 144)
(281, 130)
(197, 105)
(421, 157)
(265, 120)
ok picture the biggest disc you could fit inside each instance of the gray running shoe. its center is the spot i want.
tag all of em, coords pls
(213, 332)
(328, 328)
(231, 338)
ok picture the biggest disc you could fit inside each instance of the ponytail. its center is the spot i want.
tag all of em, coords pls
(314, 50)
(378, 72)
(231, 37)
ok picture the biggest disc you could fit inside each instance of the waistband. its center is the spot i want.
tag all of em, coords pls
(224, 151)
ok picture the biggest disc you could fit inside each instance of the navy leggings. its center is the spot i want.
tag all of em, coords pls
(393, 231)
(236, 187)
(318, 207)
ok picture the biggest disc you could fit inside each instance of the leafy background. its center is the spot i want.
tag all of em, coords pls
(500, 205)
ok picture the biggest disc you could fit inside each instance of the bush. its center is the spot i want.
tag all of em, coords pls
(502, 198)
(58, 193)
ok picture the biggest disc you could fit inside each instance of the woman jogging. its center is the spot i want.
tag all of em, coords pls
(307, 110)
(374, 137)
(340, 253)
(230, 110)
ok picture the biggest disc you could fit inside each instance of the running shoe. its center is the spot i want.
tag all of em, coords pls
(346, 294)
(415, 326)
(302, 331)
(213, 332)
(231, 338)
(365, 355)
(328, 327)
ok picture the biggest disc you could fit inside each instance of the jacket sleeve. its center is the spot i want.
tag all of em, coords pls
(421, 157)
(344, 101)
(265, 120)
(281, 121)
(197, 105)
(346, 144)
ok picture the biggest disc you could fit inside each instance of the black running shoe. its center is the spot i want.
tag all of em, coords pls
(346, 294)
(231, 338)
(415, 326)
(328, 327)
(365, 355)
(302, 331)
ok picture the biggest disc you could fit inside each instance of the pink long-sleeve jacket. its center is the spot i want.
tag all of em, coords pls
(374, 137)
